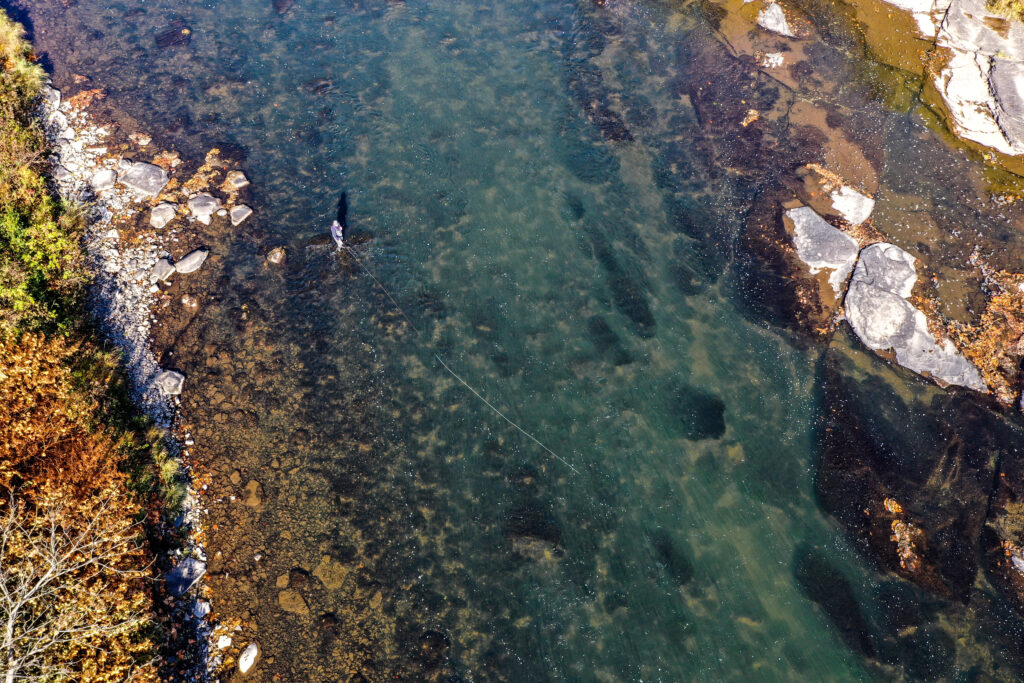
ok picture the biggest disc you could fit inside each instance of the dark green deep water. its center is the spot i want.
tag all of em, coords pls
(540, 197)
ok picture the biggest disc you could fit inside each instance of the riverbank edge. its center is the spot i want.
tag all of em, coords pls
(121, 307)
(82, 162)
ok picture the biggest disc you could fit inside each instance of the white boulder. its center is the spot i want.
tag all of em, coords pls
(877, 308)
(162, 214)
(170, 382)
(190, 262)
(822, 246)
(772, 18)
(144, 179)
(240, 213)
(203, 206)
(248, 657)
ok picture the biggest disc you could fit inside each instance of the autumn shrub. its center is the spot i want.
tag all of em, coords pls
(1011, 9)
(60, 479)
(80, 469)
(74, 603)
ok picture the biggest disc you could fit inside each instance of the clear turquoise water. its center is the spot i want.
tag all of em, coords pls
(539, 259)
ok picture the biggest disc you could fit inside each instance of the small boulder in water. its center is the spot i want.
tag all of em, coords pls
(701, 414)
(144, 179)
(190, 263)
(248, 657)
(236, 179)
(203, 206)
(162, 214)
(179, 34)
(162, 271)
(282, 6)
(170, 382)
(240, 213)
(276, 256)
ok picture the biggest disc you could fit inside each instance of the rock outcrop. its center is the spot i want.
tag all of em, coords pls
(823, 247)
(981, 73)
(908, 468)
(879, 312)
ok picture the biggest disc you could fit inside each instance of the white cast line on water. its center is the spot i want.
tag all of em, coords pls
(440, 360)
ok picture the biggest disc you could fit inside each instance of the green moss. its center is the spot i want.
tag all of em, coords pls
(1011, 9)
(42, 278)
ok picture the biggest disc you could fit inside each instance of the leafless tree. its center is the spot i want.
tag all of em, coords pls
(56, 590)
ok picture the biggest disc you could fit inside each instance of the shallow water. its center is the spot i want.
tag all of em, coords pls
(525, 180)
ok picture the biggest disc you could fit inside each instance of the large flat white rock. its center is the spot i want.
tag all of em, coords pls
(877, 308)
(822, 246)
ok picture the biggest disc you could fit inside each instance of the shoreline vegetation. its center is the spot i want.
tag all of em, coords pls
(86, 482)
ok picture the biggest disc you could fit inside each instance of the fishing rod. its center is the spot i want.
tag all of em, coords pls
(339, 230)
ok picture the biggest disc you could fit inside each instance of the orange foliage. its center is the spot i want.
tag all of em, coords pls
(46, 435)
(59, 470)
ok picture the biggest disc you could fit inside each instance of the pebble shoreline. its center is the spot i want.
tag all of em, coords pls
(122, 298)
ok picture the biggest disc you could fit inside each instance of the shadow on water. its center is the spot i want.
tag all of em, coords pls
(543, 188)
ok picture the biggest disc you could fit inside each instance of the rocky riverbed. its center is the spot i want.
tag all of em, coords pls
(862, 230)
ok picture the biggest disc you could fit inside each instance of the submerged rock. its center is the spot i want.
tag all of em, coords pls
(907, 468)
(276, 256)
(185, 575)
(825, 585)
(291, 601)
(671, 556)
(162, 214)
(178, 34)
(700, 414)
(144, 179)
(533, 529)
(331, 572)
(877, 308)
(192, 261)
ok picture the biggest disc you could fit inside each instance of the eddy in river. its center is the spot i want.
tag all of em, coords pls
(339, 228)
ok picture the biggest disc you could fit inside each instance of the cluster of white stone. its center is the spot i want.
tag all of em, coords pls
(123, 292)
(124, 289)
(876, 299)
